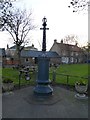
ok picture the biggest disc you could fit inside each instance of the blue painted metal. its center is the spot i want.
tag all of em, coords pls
(30, 53)
(43, 87)
(44, 20)
(43, 74)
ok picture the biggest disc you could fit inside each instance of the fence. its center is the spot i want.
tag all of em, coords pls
(55, 78)
(66, 78)
(27, 77)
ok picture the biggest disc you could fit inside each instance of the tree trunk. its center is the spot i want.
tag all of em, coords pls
(19, 56)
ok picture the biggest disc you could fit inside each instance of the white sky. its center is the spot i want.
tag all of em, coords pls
(60, 20)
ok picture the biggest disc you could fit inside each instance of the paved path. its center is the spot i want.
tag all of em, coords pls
(19, 104)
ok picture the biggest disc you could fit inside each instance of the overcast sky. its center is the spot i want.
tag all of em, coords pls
(60, 20)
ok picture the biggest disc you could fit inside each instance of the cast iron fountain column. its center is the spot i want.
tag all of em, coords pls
(43, 88)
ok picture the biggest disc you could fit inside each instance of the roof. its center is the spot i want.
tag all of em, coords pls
(13, 47)
(67, 47)
(30, 48)
(26, 48)
(12, 50)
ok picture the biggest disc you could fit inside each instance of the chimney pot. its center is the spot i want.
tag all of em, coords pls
(55, 41)
(61, 40)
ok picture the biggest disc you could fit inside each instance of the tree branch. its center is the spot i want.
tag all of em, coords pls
(11, 34)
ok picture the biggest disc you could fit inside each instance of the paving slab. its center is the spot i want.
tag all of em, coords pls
(62, 104)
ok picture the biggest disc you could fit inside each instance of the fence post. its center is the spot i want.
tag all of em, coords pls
(54, 75)
(20, 72)
(67, 80)
(34, 74)
(19, 80)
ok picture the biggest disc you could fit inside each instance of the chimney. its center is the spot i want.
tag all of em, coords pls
(33, 45)
(76, 44)
(7, 46)
(55, 41)
(62, 41)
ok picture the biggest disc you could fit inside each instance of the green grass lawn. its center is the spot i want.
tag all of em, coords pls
(13, 74)
(73, 70)
(80, 70)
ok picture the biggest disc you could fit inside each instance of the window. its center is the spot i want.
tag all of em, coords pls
(71, 59)
(65, 59)
(7, 58)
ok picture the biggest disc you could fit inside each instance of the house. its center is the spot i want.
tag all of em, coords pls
(68, 53)
(29, 60)
(11, 56)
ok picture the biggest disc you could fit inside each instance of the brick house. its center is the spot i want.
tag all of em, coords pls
(68, 53)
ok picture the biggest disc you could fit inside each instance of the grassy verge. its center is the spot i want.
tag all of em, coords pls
(13, 74)
(73, 70)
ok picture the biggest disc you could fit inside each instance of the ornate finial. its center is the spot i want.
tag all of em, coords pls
(44, 19)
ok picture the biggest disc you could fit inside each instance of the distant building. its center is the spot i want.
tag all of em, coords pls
(68, 53)
(11, 56)
(29, 60)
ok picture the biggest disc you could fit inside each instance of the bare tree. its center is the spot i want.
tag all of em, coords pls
(79, 5)
(5, 7)
(70, 39)
(18, 24)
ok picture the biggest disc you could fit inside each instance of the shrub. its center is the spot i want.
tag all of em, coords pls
(81, 82)
(7, 80)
